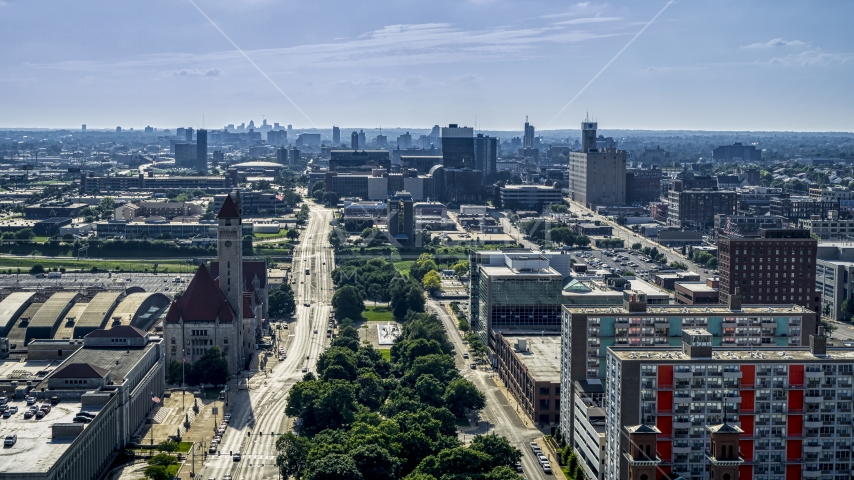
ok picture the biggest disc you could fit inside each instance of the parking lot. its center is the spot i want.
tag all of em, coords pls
(150, 282)
(618, 261)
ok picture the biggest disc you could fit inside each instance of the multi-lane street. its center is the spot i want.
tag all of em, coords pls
(499, 416)
(258, 413)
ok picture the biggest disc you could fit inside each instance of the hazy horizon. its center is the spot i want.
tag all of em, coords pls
(727, 66)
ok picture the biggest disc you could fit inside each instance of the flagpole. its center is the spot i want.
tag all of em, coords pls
(183, 362)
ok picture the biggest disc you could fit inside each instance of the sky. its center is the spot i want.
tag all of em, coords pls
(700, 65)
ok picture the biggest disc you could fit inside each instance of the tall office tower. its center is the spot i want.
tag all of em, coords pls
(251, 125)
(290, 128)
(363, 140)
(597, 177)
(276, 126)
(218, 157)
(293, 156)
(83, 127)
(282, 156)
(529, 134)
(277, 137)
(404, 141)
(485, 155)
(401, 218)
(185, 155)
(189, 135)
(202, 150)
(457, 147)
(118, 129)
(336, 136)
(354, 140)
(776, 267)
(435, 134)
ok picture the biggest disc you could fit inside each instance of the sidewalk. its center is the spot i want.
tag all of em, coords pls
(512, 401)
(547, 451)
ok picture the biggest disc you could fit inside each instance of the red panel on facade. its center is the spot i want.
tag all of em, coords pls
(793, 472)
(796, 375)
(665, 401)
(665, 424)
(747, 397)
(746, 449)
(664, 450)
(746, 424)
(746, 471)
(665, 376)
(793, 450)
(796, 425)
(748, 377)
(796, 400)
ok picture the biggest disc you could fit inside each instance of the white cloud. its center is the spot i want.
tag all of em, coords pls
(466, 79)
(776, 42)
(212, 72)
(579, 21)
(3, 4)
(811, 58)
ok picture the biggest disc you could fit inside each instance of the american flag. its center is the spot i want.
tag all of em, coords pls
(155, 398)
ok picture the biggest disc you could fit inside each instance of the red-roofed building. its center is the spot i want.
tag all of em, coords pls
(221, 306)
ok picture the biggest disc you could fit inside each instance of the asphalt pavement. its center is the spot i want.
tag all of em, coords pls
(150, 282)
(258, 413)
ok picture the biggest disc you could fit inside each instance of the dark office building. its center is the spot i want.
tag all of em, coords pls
(202, 150)
(737, 152)
(282, 155)
(485, 155)
(776, 267)
(185, 155)
(294, 155)
(643, 185)
(401, 218)
(794, 208)
(461, 186)
(358, 160)
(336, 136)
(697, 208)
(458, 147)
(277, 137)
(354, 140)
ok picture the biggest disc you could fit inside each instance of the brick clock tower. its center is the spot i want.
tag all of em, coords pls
(724, 458)
(641, 456)
(230, 253)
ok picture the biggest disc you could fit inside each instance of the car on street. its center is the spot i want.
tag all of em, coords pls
(236, 456)
(10, 440)
(474, 366)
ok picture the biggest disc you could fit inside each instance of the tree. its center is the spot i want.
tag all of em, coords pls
(343, 358)
(25, 234)
(621, 219)
(415, 299)
(292, 234)
(163, 459)
(293, 451)
(375, 462)
(432, 281)
(348, 302)
(430, 390)
(174, 373)
(335, 466)
(371, 392)
(498, 448)
(318, 186)
(636, 246)
(157, 472)
(212, 368)
(36, 269)
(459, 461)
(503, 473)
(847, 308)
(107, 205)
(461, 394)
(168, 446)
(281, 301)
(461, 268)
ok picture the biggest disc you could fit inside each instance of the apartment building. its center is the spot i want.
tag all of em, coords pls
(787, 411)
(588, 334)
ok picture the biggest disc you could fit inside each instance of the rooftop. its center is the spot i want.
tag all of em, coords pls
(542, 355)
(505, 271)
(697, 310)
(36, 449)
(697, 287)
(747, 354)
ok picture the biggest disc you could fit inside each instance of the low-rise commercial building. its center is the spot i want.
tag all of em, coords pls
(795, 208)
(529, 196)
(667, 280)
(697, 208)
(529, 367)
(747, 224)
(830, 228)
(54, 209)
(591, 229)
(696, 293)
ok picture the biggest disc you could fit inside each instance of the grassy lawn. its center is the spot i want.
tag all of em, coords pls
(165, 266)
(403, 266)
(212, 393)
(378, 314)
(386, 353)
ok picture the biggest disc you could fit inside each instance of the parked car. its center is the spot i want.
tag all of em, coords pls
(236, 456)
(10, 440)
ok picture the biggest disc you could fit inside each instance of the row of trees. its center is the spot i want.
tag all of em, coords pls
(375, 279)
(367, 418)
(210, 369)
(558, 233)
(281, 301)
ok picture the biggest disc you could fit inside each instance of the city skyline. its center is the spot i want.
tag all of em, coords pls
(480, 63)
